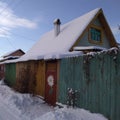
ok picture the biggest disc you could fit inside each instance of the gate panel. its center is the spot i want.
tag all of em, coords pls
(51, 83)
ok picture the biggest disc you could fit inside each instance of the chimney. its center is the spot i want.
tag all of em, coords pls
(57, 26)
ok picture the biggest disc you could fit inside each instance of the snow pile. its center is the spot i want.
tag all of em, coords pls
(71, 114)
(62, 55)
(24, 105)
(18, 106)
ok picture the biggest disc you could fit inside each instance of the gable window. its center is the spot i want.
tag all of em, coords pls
(95, 35)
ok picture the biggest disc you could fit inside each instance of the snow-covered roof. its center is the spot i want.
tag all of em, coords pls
(11, 52)
(9, 58)
(50, 45)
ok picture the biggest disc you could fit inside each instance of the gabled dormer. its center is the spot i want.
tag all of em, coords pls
(96, 36)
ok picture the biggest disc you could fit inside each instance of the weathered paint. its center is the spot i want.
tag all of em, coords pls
(51, 82)
(21, 77)
(40, 78)
(2, 71)
(10, 74)
(97, 80)
(25, 75)
(30, 77)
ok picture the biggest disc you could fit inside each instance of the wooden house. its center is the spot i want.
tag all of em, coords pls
(9, 56)
(15, 53)
(38, 70)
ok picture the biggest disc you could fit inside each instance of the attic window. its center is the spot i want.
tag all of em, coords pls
(95, 35)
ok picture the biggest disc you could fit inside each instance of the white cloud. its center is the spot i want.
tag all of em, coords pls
(8, 20)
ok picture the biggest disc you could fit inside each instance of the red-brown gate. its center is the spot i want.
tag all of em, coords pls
(51, 82)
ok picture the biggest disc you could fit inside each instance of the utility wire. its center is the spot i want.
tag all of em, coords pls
(6, 7)
(16, 35)
(11, 3)
(25, 37)
(15, 5)
(10, 43)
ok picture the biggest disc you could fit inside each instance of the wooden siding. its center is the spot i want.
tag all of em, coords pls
(40, 78)
(10, 74)
(21, 77)
(30, 77)
(97, 80)
(2, 71)
(51, 89)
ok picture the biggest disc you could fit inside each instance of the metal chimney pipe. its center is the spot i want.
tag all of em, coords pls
(57, 26)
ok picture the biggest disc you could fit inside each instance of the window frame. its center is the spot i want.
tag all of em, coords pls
(101, 35)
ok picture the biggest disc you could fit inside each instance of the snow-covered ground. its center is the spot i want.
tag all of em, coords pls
(16, 106)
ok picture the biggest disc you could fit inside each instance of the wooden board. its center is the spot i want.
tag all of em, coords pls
(51, 82)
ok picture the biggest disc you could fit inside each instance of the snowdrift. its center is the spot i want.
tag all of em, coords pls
(28, 107)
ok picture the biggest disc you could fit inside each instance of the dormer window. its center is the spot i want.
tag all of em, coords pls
(95, 35)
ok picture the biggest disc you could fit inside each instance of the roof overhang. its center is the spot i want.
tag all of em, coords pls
(81, 48)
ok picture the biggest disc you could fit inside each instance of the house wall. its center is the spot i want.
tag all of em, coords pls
(84, 40)
(40, 78)
(22, 77)
(10, 74)
(97, 80)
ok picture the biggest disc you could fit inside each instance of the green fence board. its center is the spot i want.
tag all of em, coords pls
(10, 74)
(97, 80)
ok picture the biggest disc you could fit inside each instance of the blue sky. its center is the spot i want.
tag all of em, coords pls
(23, 22)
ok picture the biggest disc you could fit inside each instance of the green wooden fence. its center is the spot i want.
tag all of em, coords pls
(10, 74)
(97, 80)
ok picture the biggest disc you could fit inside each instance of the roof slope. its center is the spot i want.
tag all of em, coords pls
(12, 52)
(49, 44)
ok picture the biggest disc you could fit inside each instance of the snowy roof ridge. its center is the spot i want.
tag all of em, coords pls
(69, 33)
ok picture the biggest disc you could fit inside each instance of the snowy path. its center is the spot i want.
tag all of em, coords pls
(7, 113)
(16, 106)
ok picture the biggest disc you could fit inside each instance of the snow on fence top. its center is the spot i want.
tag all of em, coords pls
(69, 54)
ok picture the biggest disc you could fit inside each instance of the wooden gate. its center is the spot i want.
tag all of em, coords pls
(51, 82)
